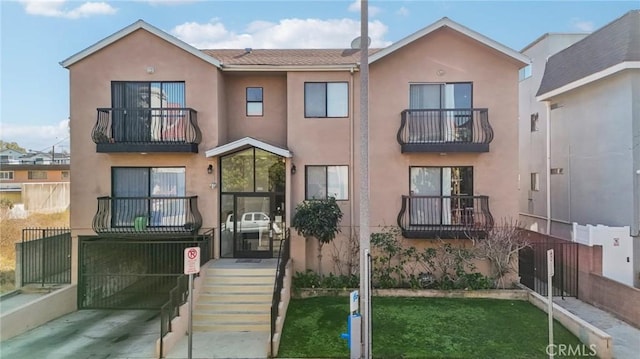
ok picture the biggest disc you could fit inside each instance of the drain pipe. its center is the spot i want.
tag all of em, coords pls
(548, 165)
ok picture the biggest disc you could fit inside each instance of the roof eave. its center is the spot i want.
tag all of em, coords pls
(446, 22)
(245, 143)
(290, 68)
(589, 79)
(140, 24)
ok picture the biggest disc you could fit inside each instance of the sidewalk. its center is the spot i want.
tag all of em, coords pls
(626, 338)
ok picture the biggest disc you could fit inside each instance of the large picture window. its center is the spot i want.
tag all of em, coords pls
(134, 190)
(440, 195)
(37, 175)
(327, 181)
(6, 175)
(326, 99)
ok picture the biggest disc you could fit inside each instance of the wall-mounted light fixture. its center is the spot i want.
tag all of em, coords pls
(151, 69)
(210, 169)
(293, 169)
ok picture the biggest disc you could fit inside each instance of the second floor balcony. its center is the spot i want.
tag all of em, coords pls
(445, 130)
(146, 130)
(445, 217)
(147, 216)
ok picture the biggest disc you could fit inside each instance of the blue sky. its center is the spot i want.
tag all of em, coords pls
(37, 35)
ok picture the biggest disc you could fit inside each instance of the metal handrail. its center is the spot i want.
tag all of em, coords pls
(458, 126)
(146, 125)
(283, 257)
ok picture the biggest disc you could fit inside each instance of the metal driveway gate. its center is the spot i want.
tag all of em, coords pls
(117, 273)
(533, 267)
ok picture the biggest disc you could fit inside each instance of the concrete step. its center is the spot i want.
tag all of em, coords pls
(235, 305)
(217, 297)
(228, 316)
(237, 279)
(231, 327)
(237, 288)
(241, 271)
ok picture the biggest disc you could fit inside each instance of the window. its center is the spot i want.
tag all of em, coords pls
(442, 112)
(441, 195)
(326, 99)
(133, 189)
(535, 181)
(534, 122)
(66, 174)
(524, 73)
(327, 181)
(37, 175)
(6, 175)
(254, 101)
(148, 111)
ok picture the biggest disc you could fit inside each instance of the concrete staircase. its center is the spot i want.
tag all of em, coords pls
(235, 300)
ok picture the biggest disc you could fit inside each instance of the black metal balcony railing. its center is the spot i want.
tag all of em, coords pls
(146, 130)
(147, 215)
(445, 130)
(446, 217)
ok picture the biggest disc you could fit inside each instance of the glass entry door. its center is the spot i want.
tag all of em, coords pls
(250, 226)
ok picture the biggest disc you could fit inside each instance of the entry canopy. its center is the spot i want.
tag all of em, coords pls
(245, 143)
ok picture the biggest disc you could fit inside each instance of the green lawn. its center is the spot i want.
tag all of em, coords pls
(423, 328)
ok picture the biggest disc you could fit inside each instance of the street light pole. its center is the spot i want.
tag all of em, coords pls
(365, 242)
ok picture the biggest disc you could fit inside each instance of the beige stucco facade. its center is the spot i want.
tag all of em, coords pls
(219, 96)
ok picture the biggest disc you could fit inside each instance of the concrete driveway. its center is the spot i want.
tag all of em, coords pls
(89, 334)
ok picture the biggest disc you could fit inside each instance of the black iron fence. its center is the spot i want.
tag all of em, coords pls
(284, 254)
(146, 125)
(45, 256)
(444, 216)
(532, 267)
(445, 126)
(120, 273)
(145, 215)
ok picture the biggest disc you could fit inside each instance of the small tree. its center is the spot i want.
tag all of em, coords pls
(319, 219)
(501, 248)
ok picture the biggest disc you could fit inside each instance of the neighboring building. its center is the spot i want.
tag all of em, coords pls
(591, 91)
(276, 127)
(533, 130)
(42, 158)
(39, 187)
(8, 155)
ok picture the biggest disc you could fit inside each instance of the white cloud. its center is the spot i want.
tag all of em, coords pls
(355, 7)
(403, 11)
(582, 25)
(287, 33)
(170, 2)
(57, 8)
(35, 137)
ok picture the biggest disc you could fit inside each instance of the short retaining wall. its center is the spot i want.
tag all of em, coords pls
(285, 297)
(180, 324)
(586, 332)
(42, 310)
(513, 294)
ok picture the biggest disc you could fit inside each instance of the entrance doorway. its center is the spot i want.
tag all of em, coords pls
(251, 203)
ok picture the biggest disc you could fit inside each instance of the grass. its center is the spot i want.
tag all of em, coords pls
(11, 233)
(423, 328)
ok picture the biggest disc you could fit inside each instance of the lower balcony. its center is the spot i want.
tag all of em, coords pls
(445, 217)
(445, 130)
(146, 130)
(147, 215)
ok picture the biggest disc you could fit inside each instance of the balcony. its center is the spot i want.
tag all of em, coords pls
(146, 130)
(445, 217)
(147, 215)
(445, 130)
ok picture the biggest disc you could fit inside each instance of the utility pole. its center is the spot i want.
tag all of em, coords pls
(365, 241)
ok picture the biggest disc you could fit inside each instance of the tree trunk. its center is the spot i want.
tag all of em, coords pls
(320, 243)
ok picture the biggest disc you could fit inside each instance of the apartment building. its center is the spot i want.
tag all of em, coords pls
(174, 142)
(582, 163)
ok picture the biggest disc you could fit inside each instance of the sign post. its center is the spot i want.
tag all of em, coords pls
(550, 273)
(191, 267)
